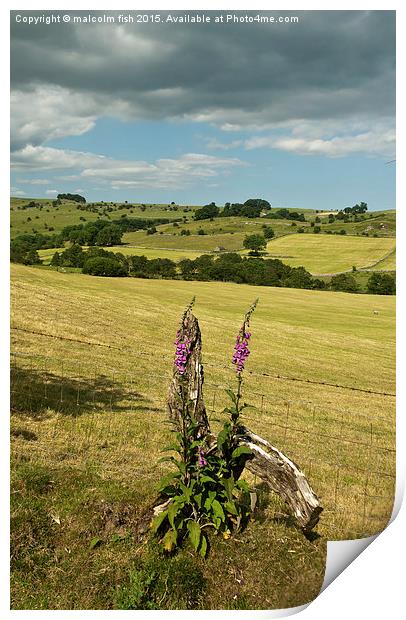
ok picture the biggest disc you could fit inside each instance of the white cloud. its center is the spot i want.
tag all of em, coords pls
(216, 145)
(50, 192)
(162, 173)
(48, 158)
(34, 181)
(17, 192)
(331, 140)
(47, 113)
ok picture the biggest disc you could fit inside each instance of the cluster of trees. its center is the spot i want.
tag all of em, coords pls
(285, 214)
(378, 283)
(23, 249)
(250, 208)
(99, 262)
(208, 212)
(99, 232)
(74, 197)
(362, 207)
(233, 267)
(381, 284)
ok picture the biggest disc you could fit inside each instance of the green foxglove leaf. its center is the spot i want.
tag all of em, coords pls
(228, 484)
(158, 520)
(169, 540)
(218, 510)
(240, 451)
(203, 546)
(172, 512)
(231, 508)
(172, 447)
(194, 533)
(231, 395)
(206, 478)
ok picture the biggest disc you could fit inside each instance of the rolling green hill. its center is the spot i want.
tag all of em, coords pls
(25, 220)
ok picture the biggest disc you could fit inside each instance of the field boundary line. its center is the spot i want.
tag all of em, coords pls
(254, 374)
(95, 344)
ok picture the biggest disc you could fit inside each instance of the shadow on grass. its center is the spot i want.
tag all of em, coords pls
(34, 392)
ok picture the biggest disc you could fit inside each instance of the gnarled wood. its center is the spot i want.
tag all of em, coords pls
(192, 380)
(284, 477)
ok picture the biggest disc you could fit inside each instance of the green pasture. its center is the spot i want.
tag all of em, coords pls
(323, 254)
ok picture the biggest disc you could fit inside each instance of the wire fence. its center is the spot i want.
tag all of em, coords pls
(349, 458)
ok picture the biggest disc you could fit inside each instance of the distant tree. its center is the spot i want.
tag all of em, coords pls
(152, 230)
(268, 232)
(343, 232)
(207, 212)
(201, 231)
(258, 202)
(299, 277)
(103, 266)
(185, 232)
(73, 256)
(381, 284)
(74, 197)
(32, 258)
(316, 229)
(109, 235)
(56, 260)
(344, 282)
(255, 243)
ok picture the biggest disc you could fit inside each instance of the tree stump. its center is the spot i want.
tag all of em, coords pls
(192, 378)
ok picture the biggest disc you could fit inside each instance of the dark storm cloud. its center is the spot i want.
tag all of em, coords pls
(330, 65)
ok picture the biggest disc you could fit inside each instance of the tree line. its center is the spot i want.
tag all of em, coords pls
(229, 267)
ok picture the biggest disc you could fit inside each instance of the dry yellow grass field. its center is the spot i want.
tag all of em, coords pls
(92, 360)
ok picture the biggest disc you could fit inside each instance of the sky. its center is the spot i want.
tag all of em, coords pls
(301, 114)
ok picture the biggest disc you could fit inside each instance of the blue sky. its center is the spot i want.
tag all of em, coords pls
(304, 118)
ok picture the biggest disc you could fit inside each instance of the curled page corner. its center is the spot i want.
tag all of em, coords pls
(340, 554)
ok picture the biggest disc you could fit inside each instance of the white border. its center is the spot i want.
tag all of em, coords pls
(372, 585)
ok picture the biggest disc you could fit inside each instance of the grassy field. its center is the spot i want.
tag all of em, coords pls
(46, 255)
(322, 254)
(91, 365)
(386, 264)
